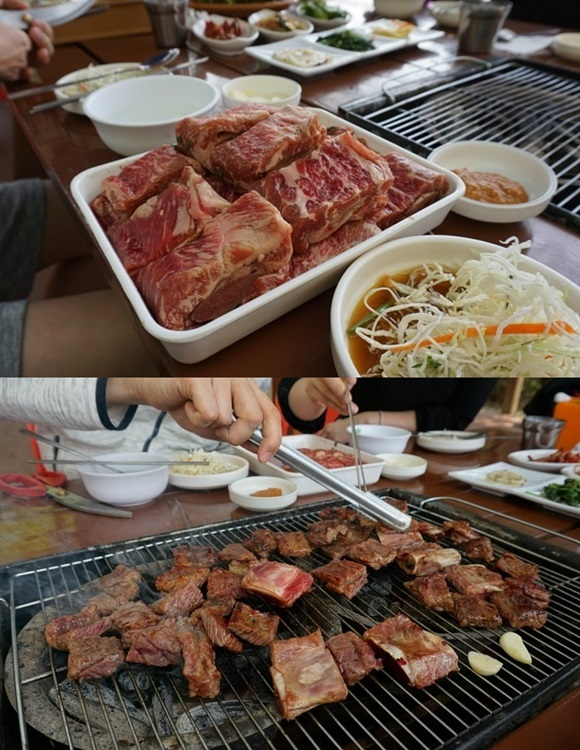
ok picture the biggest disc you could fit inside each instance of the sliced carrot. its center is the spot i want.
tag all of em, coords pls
(530, 329)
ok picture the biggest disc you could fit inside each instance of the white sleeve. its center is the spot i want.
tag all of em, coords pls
(63, 402)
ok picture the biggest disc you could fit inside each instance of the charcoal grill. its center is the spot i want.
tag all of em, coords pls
(143, 708)
(519, 103)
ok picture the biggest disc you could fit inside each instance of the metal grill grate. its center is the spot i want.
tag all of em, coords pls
(533, 107)
(144, 709)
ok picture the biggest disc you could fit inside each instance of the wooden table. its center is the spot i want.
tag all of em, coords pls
(298, 342)
(38, 527)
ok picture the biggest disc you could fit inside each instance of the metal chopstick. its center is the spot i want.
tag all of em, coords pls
(362, 500)
(360, 477)
(120, 463)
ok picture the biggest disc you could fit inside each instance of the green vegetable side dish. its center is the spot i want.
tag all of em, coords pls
(319, 9)
(567, 493)
(348, 40)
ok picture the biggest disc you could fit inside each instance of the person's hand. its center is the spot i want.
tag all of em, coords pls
(336, 431)
(226, 409)
(14, 4)
(42, 37)
(15, 46)
(309, 397)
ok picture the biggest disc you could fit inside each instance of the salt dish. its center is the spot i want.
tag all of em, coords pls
(243, 491)
(402, 465)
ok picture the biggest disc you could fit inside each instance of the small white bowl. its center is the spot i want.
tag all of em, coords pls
(140, 114)
(538, 179)
(573, 470)
(398, 8)
(567, 46)
(301, 25)
(136, 485)
(241, 493)
(402, 465)
(451, 441)
(240, 468)
(326, 23)
(275, 90)
(445, 12)
(233, 46)
(380, 438)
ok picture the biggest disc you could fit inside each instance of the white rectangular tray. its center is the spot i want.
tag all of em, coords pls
(199, 343)
(339, 57)
(371, 468)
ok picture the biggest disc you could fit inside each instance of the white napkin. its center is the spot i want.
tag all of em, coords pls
(525, 45)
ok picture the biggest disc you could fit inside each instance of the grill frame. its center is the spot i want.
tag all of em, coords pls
(347, 724)
(410, 106)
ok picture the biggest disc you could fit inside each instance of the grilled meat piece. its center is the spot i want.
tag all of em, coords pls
(348, 514)
(518, 610)
(122, 582)
(199, 669)
(432, 591)
(371, 553)
(94, 657)
(236, 551)
(475, 612)
(262, 542)
(511, 565)
(217, 631)
(426, 529)
(354, 656)
(56, 630)
(239, 568)
(474, 579)
(180, 602)
(426, 559)
(478, 549)
(342, 577)
(157, 645)
(103, 604)
(293, 544)
(94, 628)
(223, 583)
(459, 532)
(399, 540)
(204, 557)
(133, 616)
(533, 589)
(415, 655)
(304, 674)
(321, 533)
(256, 627)
(181, 574)
(277, 582)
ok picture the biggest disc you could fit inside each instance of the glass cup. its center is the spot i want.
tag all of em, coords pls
(541, 432)
(168, 21)
(479, 23)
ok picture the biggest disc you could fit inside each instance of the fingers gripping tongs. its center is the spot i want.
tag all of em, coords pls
(364, 501)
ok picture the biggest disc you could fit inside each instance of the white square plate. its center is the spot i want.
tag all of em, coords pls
(197, 344)
(534, 495)
(478, 478)
(371, 467)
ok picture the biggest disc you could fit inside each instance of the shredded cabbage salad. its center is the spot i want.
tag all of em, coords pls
(216, 463)
(496, 320)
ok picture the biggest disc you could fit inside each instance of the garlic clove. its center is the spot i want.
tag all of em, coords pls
(483, 664)
(514, 646)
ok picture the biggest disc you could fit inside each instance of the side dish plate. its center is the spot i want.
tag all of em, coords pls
(529, 460)
(56, 14)
(478, 478)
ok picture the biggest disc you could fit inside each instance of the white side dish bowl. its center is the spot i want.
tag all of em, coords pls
(137, 483)
(264, 89)
(567, 46)
(379, 438)
(233, 46)
(295, 25)
(445, 12)
(321, 24)
(238, 468)
(398, 8)
(140, 114)
(538, 179)
(451, 441)
(242, 493)
(402, 465)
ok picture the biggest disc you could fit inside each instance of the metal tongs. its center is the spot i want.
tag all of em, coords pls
(365, 501)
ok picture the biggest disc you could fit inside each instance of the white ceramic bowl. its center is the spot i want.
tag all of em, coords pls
(267, 89)
(567, 46)
(379, 438)
(398, 8)
(445, 12)
(573, 470)
(401, 255)
(233, 46)
(326, 23)
(538, 179)
(300, 25)
(136, 485)
(402, 465)
(240, 468)
(241, 493)
(451, 441)
(140, 114)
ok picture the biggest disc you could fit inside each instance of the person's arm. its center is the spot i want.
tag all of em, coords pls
(304, 401)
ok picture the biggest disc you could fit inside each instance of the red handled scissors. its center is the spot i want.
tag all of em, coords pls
(20, 485)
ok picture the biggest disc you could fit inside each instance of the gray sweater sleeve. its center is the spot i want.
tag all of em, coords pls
(62, 402)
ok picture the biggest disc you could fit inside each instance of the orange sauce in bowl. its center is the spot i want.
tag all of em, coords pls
(490, 187)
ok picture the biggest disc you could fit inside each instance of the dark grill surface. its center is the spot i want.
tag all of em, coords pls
(533, 107)
(145, 708)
